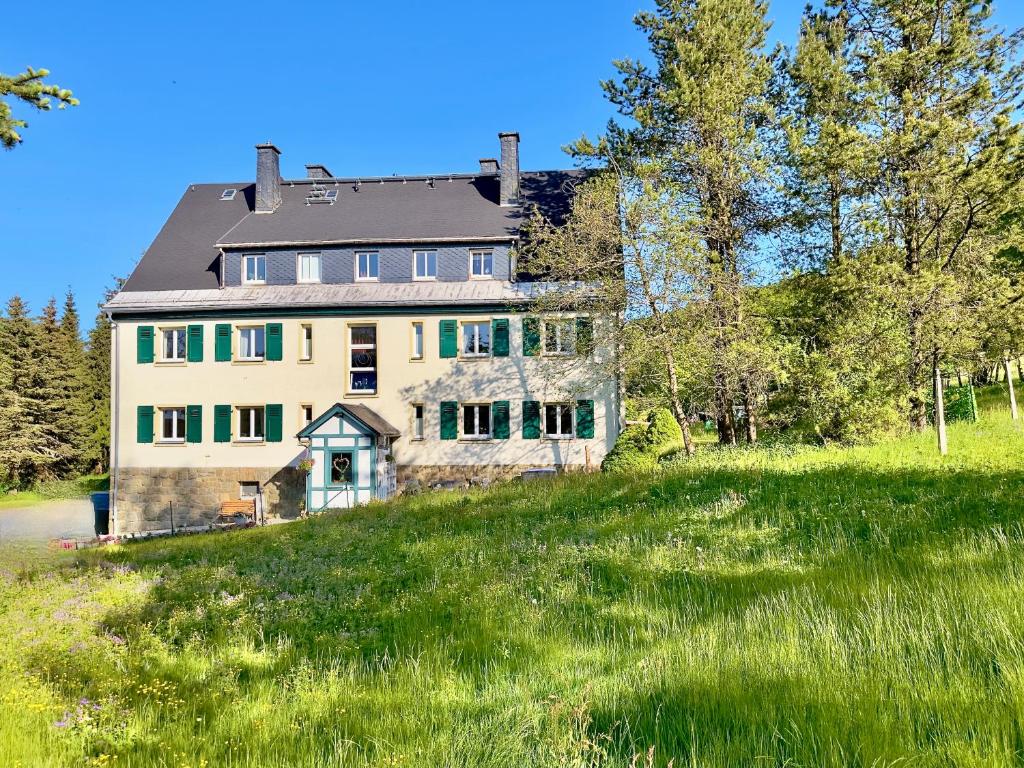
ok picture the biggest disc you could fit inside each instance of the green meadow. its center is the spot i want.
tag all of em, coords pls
(788, 606)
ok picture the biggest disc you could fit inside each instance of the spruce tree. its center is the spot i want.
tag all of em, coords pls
(28, 448)
(74, 384)
(97, 453)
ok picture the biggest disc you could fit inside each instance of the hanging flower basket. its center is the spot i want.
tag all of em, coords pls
(306, 465)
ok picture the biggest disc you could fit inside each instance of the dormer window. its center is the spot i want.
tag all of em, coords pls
(309, 267)
(367, 266)
(228, 194)
(254, 269)
(481, 264)
(424, 265)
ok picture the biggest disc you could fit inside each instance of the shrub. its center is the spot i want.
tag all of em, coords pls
(640, 445)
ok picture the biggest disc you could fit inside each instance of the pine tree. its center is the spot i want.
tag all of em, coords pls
(97, 453)
(28, 87)
(28, 448)
(700, 114)
(74, 417)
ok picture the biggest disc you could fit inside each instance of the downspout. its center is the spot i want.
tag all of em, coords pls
(115, 398)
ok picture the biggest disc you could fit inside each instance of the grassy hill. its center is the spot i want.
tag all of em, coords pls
(797, 607)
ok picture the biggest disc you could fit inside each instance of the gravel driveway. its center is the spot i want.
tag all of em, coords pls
(71, 518)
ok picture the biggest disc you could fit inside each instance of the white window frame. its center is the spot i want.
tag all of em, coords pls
(257, 257)
(419, 421)
(179, 332)
(242, 331)
(416, 342)
(173, 438)
(375, 369)
(252, 423)
(228, 194)
(462, 339)
(476, 434)
(482, 253)
(560, 326)
(305, 343)
(359, 258)
(319, 267)
(242, 495)
(560, 408)
(304, 419)
(426, 254)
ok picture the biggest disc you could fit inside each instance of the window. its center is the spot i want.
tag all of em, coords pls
(248, 490)
(341, 467)
(250, 423)
(362, 369)
(424, 265)
(558, 420)
(251, 343)
(172, 425)
(331, 194)
(367, 266)
(306, 342)
(309, 267)
(481, 264)
(417, 421)
(173, 346)
(254, 269)
(476, 339)
(306, 414)
(476, 422)
(560, 337)
(417, 341)
(228, 194)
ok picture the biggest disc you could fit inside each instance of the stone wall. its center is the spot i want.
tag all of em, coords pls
(146, 496)
(429, 475)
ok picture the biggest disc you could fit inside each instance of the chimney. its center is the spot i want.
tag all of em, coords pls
(488, 165)
(268, 178)
(509, 167)
(317, 171)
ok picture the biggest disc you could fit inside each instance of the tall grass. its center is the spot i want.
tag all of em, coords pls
(798, 607)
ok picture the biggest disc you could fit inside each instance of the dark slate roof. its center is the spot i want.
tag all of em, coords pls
(361, 412)
(184, 255)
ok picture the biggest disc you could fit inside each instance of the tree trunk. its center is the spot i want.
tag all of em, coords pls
(940, 408)
(749, 408)
(835, 221)
(916, 381)
(673, 393)
(1009, 385)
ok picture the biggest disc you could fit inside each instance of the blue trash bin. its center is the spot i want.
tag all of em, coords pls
(101, 508)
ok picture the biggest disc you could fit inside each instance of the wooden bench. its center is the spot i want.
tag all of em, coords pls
(232, 509)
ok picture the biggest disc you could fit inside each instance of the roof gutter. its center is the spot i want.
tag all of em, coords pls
(372, 241)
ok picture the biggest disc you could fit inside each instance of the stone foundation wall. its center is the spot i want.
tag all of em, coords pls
(427, 476)
(145, 495)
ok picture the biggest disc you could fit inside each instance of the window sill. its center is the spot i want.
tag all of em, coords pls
(253, 282)
(168, 443)
(362, 393)
(417, 360)
(305, 362)
(170, 363)
(309, 282)
(467, 358)
(249, 360)
(424, 279)
(250, 441)
(367, 279)
(487, 439)
(558, 438)
(481, 277)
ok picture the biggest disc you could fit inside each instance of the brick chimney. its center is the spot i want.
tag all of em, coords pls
(268, 178)
(488, 165)
(317, 171)
(509, 167)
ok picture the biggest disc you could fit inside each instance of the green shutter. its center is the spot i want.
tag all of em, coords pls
(222, 347)
(531, 336)
(499, 415)
(584, 336)
(448, 338)
(273, 429)
(531, 420)
(222, 423)
(585, 418)
(449, 420)
(273, 331)
(144, 346)
(144, 424)
(194, 423)
(499, 331)
(195, 343)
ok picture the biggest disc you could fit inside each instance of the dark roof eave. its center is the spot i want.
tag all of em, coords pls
(373, 241)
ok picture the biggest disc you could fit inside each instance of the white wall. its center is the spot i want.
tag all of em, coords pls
(401, 382)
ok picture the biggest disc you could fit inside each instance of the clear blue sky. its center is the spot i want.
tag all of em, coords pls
(175, 93)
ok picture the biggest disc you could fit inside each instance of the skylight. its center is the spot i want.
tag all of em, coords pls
(228, 194)
(331, 194)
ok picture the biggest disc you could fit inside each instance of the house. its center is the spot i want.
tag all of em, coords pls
(380, 330)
